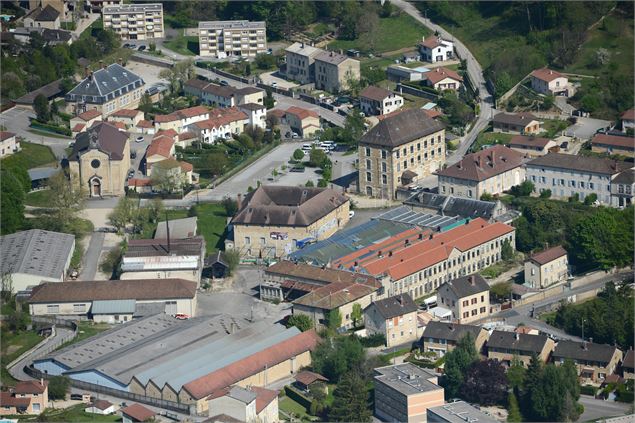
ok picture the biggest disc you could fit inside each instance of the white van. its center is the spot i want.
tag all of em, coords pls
(306, 147)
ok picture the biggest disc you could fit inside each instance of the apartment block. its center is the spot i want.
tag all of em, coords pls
(333, 71)
(394, 317)
(301, 62)
(222, 39)
(141, 21)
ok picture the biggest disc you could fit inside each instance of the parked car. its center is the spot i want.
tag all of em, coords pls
(224, 83)
(351, 213)
(298, 169)
(139, 139)
(295, 135)
(141, 48)
(133, 154)
(274, 84)
(181, 316)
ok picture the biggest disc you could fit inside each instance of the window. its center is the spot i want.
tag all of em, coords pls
(412, 148)
(384, 154)
(262, 241)
(383, 167)
(52, 308)
(483, 309)
(474, 301)
(369, 178)
(247, 240)
(466, 303)
(384, 179)
(482, 298)
(368, 164)
(466, 314)
(79, 308)
(469, 192)
(474, 312)
(368, 151)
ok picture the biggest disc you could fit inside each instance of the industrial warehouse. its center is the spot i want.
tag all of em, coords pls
(184, 361)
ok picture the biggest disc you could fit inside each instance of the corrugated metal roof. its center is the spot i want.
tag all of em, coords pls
(113, 307)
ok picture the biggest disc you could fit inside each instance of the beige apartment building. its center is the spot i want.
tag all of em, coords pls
(301, 62)
(594, 362)
(404, 392)
(394, 317)
(493, 171)
(222, 39)
(400, 149)
(334, 70)
(505, 346)
(467, 297)
(139, 21)
(547, 268)
(443, 337)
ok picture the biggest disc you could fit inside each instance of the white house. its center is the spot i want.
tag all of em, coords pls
(8, 143)
(379, 101)
(436, 49)
(102, 407)
(180, 119)
(223, 123)
(257, 114)
(549, 82)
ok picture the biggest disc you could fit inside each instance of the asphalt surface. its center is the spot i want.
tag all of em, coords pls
(91, 257)
(596, 408)
(53, 342)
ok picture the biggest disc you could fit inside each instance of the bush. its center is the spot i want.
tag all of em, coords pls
(588, 390)
(52, 128)
(374, 340)
(545, 193)
(58, 387)
(298, 154)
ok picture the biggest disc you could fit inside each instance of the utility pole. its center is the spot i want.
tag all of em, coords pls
(583, 329)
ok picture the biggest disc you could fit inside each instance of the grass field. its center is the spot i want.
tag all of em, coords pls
(13, 345)
(393, 33)
(32, 155)
(490, 138)
(553, 127)
(38, 198)
(71, 414)
(291, 407)
(186, 45)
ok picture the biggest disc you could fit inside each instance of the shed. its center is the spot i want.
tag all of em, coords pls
(102, 407)
(136, 413)
(305, 378)
(113, 311)
(40, 176)
(216, 266)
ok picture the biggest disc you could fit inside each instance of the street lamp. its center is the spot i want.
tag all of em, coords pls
(583, 320)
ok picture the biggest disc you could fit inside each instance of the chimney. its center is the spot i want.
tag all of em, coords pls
(423, 38)
(86, 72)
(341, 51)
(517, 336)
(120, 61)
(389, 253)
(420, 236)
(42, 381)
(406, 242)
(493, 158)
(472, 280)
(584, 346)
(478, 161)
(459, 165)
(431, 236)
(240, 200)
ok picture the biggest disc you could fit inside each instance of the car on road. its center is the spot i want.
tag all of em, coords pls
(274, 84)
(224, 83)
(139, 139)
(295, 135)
(181, 316)
(107, 230)
(351, 213)
(141, 48)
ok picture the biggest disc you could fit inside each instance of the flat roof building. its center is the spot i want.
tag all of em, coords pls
(140, 21)
(222, 39)
(458, 412)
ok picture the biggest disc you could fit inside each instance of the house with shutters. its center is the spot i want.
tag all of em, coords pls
(467, 297)
(394, 317)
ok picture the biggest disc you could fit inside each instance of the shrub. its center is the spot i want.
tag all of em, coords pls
(52, 128)
(374, 340)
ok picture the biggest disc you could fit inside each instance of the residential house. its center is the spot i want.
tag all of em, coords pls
(62, 6)
(129, 117)
(223, 96)
(493, 171)
(443, 337)
(442, 79)
(594, 362)
(186, 139)
(628, 120)
(379, 101)
(249, 405)
(623, 188)
(222, 124)
(85, 120)
(161, 148)
(256, 114)
(549, 82)
(101, 407)
(394, 317)
(145, 127)
(54, 37)
(506, 346)
(404, 392)
(171, 175)
(138, 21)
(27, 397)
(458, 412)
(181, 119)
(301, 62)
(34, 256)
(613, 144)
(100, 160)
(272, 219)
(523, 123)
(400, 149)
(239, 38)
(43, 17)
(107, 90)
(531, 146)
(547, 268)
(435, 49)
(566, 175)
(467, 297)
(303, 122)
(628, 365)
(419, 261)
(8, 144)
(136, 413)
(160, 258)
(113, 301)
(333, 71)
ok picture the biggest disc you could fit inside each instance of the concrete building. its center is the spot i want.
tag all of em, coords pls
(419, 262)
(398, 73)
(333, 71)
(493, 171)
(523, 123)
(394, 317)
(100, 160)
(303, 122)
(435, 49)
(467, 297)
(399, 150)
(442, 79)
(628, 120)
(404, 392)
(594, 362)
(301, 62)
(547, 268)
(531, 146)
(379, 101)
(222, 124)
(443, 337)
(505, 346)
(613, 144)
(42, 17)
(256, 114)
(114, 301)
(8, 144)
(181, 119)
(566, 175)
(549, 82)
(107, 90)
(458, 412)
(26, 397)
(223, 39)
(272, 219)
(163, 258)
(35, 256)
(139, 21)
(623, 188)
(249, 405)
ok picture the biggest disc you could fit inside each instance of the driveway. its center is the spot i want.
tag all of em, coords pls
(91, 257)
(54, 341)
(270, 77)
(586, 127)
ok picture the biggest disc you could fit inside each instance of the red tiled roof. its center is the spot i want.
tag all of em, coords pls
(549, 255)
(167, 133)
(89, 114)
(129, 113)
(375, 93)
(138, 412)
(161, 145)
(626, 142)
(432, 113)
(221, 117)
(263, 397)
(139, 182)
(144, 124)
(525, 141)
(79, 127)
(241, 369)
(186, 136)
(166, 118)
(186, 167)
(30, 387)
(440, 73)
(6, 135)
(546, 74)
(431, 42)
(484, 164)
(334, 295)
(277, 113)
(306, 377)
(302, 113)
(400, 259)
(182, 114)
(102, 404)
(118, 125)
(628, 115)
(8, 400)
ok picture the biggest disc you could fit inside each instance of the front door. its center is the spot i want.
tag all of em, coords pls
(95, 187)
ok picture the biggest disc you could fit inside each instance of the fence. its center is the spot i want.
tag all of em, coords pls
(152, 60)
(401, 88)
(168, 405)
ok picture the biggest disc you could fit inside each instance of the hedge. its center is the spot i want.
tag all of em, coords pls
(51, 128)
(588, 390)
(298, 397)
(375, 340)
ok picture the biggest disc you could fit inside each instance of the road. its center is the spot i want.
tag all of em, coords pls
(475, 73)
(595, 408)
(91, 257)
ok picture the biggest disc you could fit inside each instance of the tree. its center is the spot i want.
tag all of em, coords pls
(351, 402)
(230, 205)
(265, 61)
(270, 102)
(123, 213)
(300, 321)
(545, 193)
(516, 374)
(487, 197)
(58, 387)
(337, 355)
(590, 199)
(298, 154)
(457, 362)
(334, 319)
(232, 258)
(68, 198)
(501, 292)
(507, 252)
(41, 107)
(548, 102)
(485, 383)
(602, 56)
(309, 184)
(356, 314)
(155, 209)
(169, 179)
(11, 202)
(145, 104)
(523, 190)
(513, 410)
(181, 71)
(317, 157)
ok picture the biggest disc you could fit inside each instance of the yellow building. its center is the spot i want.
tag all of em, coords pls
(505, 346)
(467, 297)
(399, 150)
(272, 219)
(547, 268)
(100, 160)
(394, 317)
(27, 397)
(302, 121)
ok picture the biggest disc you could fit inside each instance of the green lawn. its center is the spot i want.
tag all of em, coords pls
(496, 269)
(393, 33)
(186, 45)
(172, 214)
(490, 138)
(38, 198)
(553, 127)
(33, 155)
(71, 414)
(291, 407)
(211, 224)
(13, 345)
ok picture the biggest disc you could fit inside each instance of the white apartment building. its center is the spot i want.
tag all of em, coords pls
(141, 21)
(222, 39)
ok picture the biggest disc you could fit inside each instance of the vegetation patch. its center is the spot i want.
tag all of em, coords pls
(32, 155)
(182, 44)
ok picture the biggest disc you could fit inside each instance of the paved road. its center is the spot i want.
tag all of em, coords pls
(53, 342)
(475, 72)
(16, 120)
(595, 408)
(91, 257)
